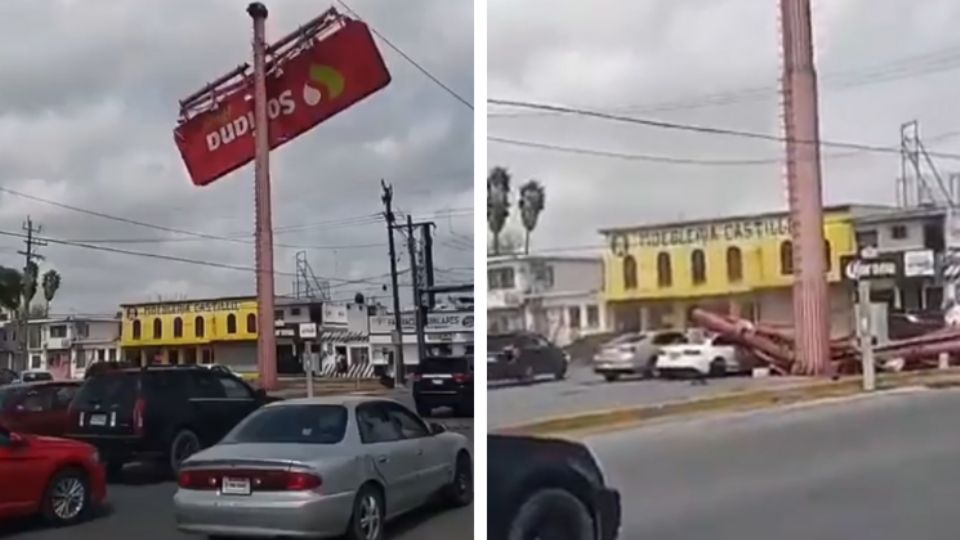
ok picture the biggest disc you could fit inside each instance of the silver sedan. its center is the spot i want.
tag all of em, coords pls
(319, 468)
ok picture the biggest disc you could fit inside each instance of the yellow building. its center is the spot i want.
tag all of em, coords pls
(190, 332)
(741, 265)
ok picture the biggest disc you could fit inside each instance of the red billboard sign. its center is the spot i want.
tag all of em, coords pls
(318, 79)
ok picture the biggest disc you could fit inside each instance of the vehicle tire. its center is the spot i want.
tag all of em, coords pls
(67, 498)
(718, 367)
(460, 492)
(183, 445)
(552, 513)
(528, 375)
(650, 370)
(611, 377)
(114, 469)
(367, 521)
(562, 374)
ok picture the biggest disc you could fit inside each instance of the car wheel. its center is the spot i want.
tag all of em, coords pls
(67, 498)
(184, 444)
(368, 515)
(718, 368)
(611, 377)
(650, 370)
(460, 491)
(528, 375)
(552, 513)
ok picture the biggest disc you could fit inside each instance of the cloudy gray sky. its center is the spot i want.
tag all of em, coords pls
(89, 100)
(714, 63)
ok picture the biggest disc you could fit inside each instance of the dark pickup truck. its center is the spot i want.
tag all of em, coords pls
(548, 489)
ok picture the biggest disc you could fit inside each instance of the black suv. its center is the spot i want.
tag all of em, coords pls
(444, 381)
(159, 412)
(523, 356)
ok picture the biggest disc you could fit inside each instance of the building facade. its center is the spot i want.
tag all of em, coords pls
(557, 297)
(742, 265)
(66, 346)
(453, 328)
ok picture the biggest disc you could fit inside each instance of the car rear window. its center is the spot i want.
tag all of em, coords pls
(117, 388)
(443, 365)
(496, 343)
(295, 424)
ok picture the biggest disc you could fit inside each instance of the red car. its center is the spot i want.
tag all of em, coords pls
(60, 479)
(38, 408)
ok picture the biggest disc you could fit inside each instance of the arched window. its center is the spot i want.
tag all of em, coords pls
(827, 261)
(231, 324)
(157, 329)
(734, 264)
(198, 324)
(786, 257)
(136, 329)
(629, 272)
(698, 267)
(664, 270)
(178, 327)
(251, 323)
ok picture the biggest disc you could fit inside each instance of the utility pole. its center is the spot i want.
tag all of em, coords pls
(398, 367)
(29, 274)
(417, 301)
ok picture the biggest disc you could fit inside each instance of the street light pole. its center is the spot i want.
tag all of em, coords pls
(266, 340)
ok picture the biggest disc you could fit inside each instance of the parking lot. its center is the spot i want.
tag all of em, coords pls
(584, 391)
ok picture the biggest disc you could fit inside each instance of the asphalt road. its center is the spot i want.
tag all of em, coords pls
(140, 507)
(877, 468)
(584, 391)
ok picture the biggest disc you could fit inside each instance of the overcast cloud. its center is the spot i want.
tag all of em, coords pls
(89, 100)
(637, 57)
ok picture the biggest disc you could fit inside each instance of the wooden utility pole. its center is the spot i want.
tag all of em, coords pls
(398, 367)
(31, 273)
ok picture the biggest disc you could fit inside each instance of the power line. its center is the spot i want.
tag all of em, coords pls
(709, 130)
(409, 59)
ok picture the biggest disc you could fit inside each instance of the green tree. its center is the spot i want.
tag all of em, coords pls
(532, 199)
(498, 203)
(51, 284)
(10, 288)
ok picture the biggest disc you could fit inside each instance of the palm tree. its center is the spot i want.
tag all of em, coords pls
(29, 285)
(10, 288)
(498, 203)
(532, 199)
(51, 283)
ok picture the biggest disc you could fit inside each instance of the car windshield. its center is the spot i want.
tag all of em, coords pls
(443, 365)
(300, 424)
(108, 389)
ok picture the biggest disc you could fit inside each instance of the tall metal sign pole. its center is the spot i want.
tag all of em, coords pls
(799, 87)
(417, 300)
(266, 340)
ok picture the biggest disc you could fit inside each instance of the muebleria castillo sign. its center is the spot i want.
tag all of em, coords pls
(176, 308)
(704, 233)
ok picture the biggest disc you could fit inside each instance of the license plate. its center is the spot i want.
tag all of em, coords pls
(235, 486)
(437, 382)
(674, 355)
(492, 359)
(98, 419)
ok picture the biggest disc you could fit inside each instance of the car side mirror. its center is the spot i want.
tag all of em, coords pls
(436, 429)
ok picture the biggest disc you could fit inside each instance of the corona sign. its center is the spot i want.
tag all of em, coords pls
(316, 80)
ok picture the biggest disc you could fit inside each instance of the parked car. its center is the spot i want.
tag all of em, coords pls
(634, 353)
(441, 381)
(547, 488)
(320, 468)
(38, 408)
(714, 356)
(60, 479)
(524, 356)
(161, 412)
(8, 376)
(98, 368)
(35, 376)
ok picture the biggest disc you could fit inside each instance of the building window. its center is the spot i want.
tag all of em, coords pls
(664, 270)
(251, 323)
(786, 257)
(111, 355)
(867, 238)
(734, 264)
(629, 272)
(101, 355)
(35, 362)
(898, 232)
(295, 312)
(157, 329)
(198, 326)
(501, 278)
(82, 359)
(59, 331)
(827, 255)
(574, 317)
(83, 329)
(178, 327)
(593, 317)
(698, 266)
(136, 329)
(542, 274)
(231, 324)
(278, 315)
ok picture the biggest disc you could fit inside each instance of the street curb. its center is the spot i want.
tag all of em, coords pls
(736, 401)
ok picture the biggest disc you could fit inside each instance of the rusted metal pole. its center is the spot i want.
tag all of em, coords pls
(266, 339)
(799, 87)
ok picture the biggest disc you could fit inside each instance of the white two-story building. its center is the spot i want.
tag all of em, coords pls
(67, 346)
(557, 297)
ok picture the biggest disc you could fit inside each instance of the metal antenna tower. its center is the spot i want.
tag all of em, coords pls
(913, 158)
(307, 285)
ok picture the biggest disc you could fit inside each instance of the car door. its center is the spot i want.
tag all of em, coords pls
(35, 412)
(239, 399)
(724, 348)
(208, 407)
(63, 395)
(434, 469)
(22, 468)
(395, 459)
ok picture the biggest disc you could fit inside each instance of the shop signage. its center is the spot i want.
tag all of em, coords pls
(308, 331)
(335, 314)
(881, 267)
(286, 332)
(705, 233)
(177, 308)
(919, 263)
(436, 322)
